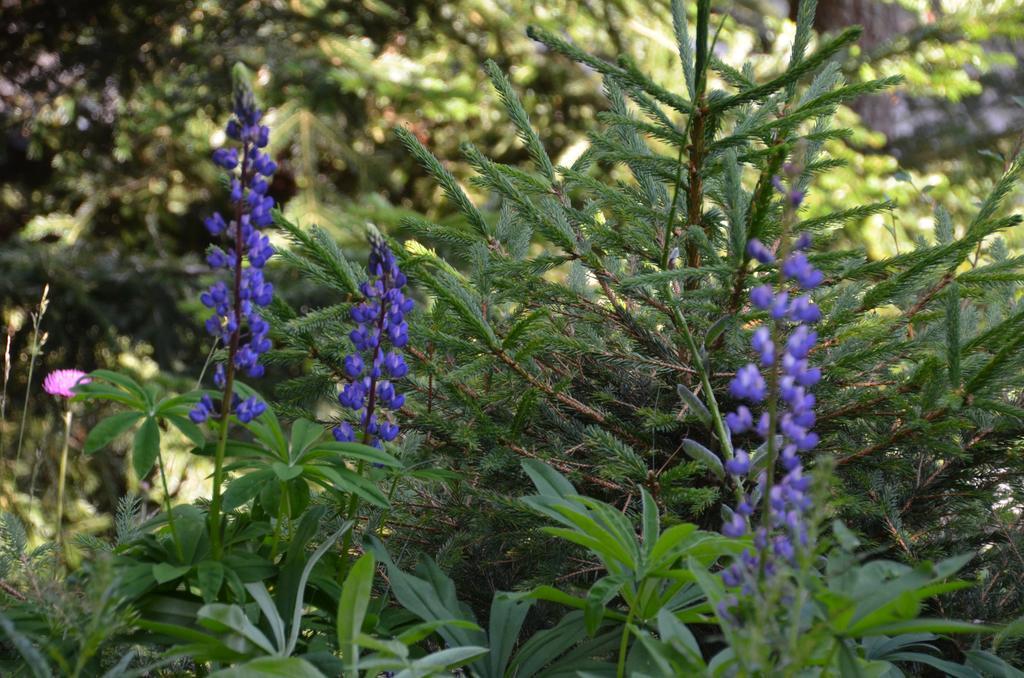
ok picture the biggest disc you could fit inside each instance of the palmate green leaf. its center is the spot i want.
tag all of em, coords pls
(146, 447)
(679, 636)
(991, 665)
(103, 433)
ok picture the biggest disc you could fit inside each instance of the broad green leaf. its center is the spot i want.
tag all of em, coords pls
(146, 447)
(356, 451)
(296, 624)
(343, 480)
(418, 632)
(165, 572)
(600, 593)
(679, 636)
(548, 481)
(651, 521)
(271, 667)
(248, 567)
(125, 382)
(259, 593)
(698, 452)
(286, 472)
(210, 575)
(694, 404)
(221, 618)
(505, 623)
(443, 660)
(991, 665)
(304, 434)
(191, 431)
(670, 543)
(33, 658)
(98, 391)
(103, 433)
(352, 604)
(243, 488)
(927, 625)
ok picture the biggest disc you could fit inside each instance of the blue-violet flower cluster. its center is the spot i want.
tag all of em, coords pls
(236, 319)
(370, 369)
(780, 381)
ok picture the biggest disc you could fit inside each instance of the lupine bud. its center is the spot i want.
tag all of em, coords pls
(757, 250)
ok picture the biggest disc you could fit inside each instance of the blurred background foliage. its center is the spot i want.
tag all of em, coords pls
(109, 111)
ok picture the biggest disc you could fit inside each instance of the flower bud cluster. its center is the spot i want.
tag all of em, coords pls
(373, 366)
(779, 381)
(236, 319)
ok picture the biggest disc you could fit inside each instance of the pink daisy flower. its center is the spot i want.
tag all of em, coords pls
(60, 382)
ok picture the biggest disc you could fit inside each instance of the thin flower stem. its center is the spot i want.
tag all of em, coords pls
(61, 474)
(167, 506)
(36, 348)
(3, 395)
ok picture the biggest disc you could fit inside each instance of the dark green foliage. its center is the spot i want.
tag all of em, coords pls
(572, 350)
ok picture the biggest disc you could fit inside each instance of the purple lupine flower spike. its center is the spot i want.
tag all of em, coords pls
(380, 319)
(783, 344)
(244, 254)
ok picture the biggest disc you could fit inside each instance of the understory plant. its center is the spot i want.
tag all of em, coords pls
(646, 417)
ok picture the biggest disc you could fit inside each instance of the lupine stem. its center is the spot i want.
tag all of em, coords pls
(773, 385)
(371, 403)
(229, 371)
(281, 508)
(624, 645)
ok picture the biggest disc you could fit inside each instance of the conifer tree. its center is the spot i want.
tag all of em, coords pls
(594, 320)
